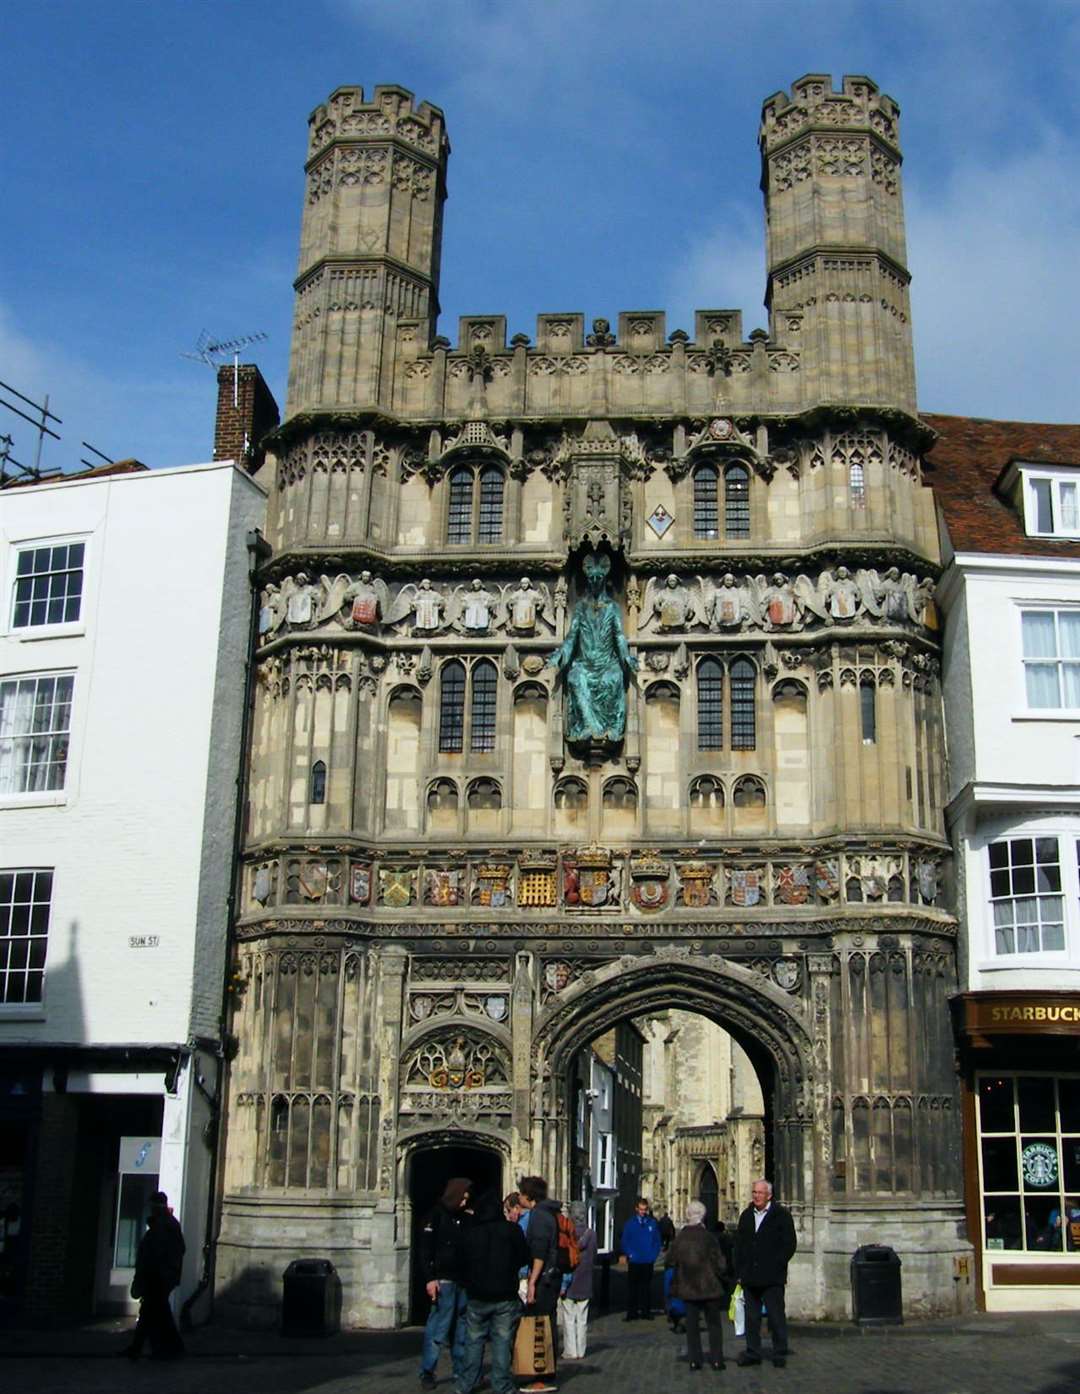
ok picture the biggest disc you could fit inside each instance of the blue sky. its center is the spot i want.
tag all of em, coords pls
(604, 158)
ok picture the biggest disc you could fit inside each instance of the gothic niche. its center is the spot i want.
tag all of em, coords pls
(455, 1072)
(595, 664)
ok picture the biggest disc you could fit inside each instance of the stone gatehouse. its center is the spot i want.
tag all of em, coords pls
(598, 675)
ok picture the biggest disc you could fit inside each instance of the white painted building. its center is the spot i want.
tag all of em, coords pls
(1009, 497)
(125, 617)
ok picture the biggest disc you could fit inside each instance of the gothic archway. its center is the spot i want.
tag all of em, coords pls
(767, 1022)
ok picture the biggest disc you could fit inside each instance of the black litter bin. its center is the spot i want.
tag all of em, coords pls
(311, 1301)
(875, 1286)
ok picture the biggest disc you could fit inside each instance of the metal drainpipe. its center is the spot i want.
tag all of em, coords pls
(258, 551)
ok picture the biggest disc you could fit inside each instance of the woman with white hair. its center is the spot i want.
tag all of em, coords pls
(577, 1288)
(701, 1281)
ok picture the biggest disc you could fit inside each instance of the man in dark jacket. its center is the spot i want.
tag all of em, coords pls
(764, 1245)
(158, 1264)
(440, 1255)
(493, 1252)
(544, 1278)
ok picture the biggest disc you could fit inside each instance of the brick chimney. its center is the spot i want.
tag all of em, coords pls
(246, 410)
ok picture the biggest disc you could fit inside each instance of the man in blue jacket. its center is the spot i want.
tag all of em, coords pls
(641, 1243)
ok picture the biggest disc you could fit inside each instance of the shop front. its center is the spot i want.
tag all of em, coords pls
(1020, 1062)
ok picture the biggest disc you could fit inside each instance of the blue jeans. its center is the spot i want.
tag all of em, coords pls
(495, 1322)
(446, 1320)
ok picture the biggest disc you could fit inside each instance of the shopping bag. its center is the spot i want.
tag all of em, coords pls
(534, 1350)
(737, 1310)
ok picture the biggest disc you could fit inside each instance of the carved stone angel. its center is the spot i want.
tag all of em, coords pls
(425, 604)
(891, 596)
(524, 604)
(303, 594)
(470, 608)
(672, 604)
(833, 598)
(736, 603)
(365, 601)
(275, 602)
(779, 602)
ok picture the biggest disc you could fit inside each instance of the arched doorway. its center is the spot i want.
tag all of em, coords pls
(769, 1026)
(430, 1167)
(708, 1192)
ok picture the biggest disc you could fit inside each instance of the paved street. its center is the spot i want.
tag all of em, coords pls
(979, 1355)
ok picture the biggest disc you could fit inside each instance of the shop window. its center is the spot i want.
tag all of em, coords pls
(1029, 1162)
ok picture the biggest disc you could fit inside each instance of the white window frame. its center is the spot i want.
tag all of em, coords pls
(1068, 839)
(44, 797)
(1055, 478)
(31, 632)
(30, 1009)
(1044, 607)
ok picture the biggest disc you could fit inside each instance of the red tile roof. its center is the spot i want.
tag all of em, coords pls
(965, 463)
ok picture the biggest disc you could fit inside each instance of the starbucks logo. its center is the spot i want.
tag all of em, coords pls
(1040, 1163)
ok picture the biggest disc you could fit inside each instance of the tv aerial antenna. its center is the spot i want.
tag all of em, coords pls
(214, 352)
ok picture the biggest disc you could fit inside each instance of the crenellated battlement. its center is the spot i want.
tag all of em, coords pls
(814, 105)
(392, 114)
(637, 331)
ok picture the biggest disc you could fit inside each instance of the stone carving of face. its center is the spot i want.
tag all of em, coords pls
(672, 581)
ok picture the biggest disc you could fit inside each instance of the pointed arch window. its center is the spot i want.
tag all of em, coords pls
(710, 704)
(737, 501)
(459, 517)
(318, 782)
(857, 484)
(475, 505)
(743, 705)
(706, 502)
(485, 685)
(452, 707)
(491, 504)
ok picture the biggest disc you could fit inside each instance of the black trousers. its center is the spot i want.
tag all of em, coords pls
(773, 1298)
(639, 1289)
(711, 1309)
(156, 1325)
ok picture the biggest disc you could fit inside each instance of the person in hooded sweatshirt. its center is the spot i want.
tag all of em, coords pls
(440, 1255)
(492, 1252)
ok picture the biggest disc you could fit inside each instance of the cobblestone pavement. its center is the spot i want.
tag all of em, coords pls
(1038, 1354)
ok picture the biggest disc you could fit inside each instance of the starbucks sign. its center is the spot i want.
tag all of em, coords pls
(1040, 1163)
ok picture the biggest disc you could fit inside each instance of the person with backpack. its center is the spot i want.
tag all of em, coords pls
(640, 1243)
(544, 1278)
(577, 1283)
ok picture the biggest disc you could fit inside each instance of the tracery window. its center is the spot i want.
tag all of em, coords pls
(857, 484)
(868, 711)
(475, 505)
(706, 505)
(485, 683)
(743, 705)
(737, 501)
(710, 704)
(452, 707)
